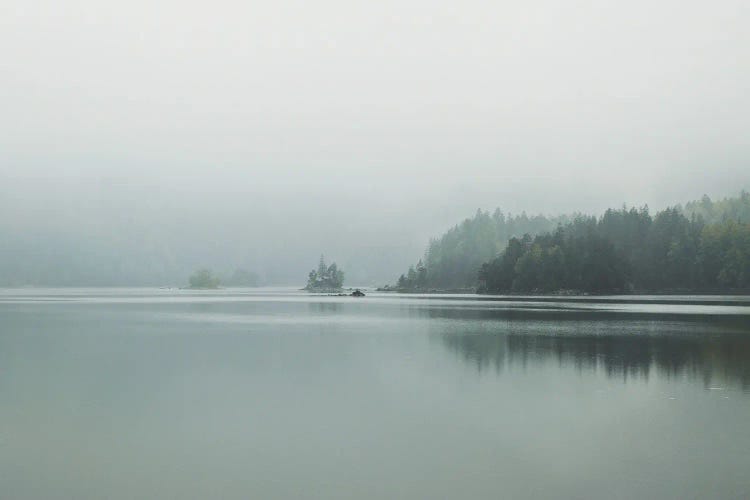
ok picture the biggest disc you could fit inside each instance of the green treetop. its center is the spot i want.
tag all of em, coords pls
(325, 278)
(203, 278)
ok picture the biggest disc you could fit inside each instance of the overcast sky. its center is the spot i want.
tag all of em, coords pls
(366, 122)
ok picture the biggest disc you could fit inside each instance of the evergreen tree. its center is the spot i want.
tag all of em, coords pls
(326, 278)
(627, 250)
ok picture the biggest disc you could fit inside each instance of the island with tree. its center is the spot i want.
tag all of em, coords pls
(203, 279)
(325, 279)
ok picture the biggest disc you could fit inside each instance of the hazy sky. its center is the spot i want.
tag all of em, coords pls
(371, 122)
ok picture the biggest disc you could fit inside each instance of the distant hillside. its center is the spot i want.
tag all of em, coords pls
(628, 250)
(736, 209)
(452, 260)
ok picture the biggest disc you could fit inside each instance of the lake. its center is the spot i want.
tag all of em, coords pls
(273, 393)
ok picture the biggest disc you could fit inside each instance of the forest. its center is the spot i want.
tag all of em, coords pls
(451, 261)
(703, 246)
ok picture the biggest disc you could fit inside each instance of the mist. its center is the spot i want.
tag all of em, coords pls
(139, 142)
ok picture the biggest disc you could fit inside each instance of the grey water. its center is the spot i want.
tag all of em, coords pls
(133, 393)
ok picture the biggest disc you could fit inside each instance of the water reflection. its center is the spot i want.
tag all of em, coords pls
(323, 307)
(712, 350)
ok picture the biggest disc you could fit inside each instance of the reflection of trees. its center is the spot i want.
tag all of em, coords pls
(324, 307)
(712, 349)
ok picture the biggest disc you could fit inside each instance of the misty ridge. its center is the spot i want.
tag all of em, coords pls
(253, 138)
(702, 245)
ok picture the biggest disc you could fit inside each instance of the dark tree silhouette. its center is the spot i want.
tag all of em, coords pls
(325, 278)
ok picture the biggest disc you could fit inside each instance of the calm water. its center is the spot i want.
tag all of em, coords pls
(274, 394)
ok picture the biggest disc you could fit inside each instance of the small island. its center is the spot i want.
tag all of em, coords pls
(326, 279)
(203, 279)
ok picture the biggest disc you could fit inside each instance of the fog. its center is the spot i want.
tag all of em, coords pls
(141, 140)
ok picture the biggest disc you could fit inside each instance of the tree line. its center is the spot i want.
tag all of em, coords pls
(451, 261)
(628, 250)
(701, 246)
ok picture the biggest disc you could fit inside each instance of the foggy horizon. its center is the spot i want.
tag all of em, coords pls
(262, 135)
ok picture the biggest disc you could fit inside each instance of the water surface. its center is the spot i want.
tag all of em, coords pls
(131, 393)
